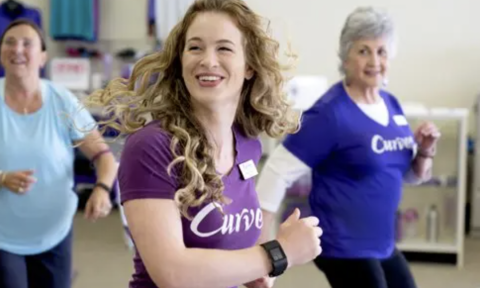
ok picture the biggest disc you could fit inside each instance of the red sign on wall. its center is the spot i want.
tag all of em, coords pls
(72, 73)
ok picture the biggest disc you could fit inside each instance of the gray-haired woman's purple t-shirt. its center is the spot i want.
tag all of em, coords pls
(143, 174)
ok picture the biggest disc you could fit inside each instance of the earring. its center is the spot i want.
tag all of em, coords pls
(385, 82)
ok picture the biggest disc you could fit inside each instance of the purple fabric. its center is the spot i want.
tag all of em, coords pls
(151, 17)
(358, 168)
(143, 174)
(151, 11)
(22, 12)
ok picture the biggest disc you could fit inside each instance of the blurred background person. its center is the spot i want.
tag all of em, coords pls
(357, 143)
(40, 124)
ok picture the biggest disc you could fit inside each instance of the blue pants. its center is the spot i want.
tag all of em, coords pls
(50, 269)
(392, 272)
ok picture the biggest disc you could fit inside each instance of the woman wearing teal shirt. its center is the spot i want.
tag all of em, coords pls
(40, 124)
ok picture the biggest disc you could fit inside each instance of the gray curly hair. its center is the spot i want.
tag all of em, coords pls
(366, 23)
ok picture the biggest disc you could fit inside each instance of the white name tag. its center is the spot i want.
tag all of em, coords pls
(400, 120)
(248, 169)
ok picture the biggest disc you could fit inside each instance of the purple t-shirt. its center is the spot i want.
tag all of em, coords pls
(143, 174)
(358, 167)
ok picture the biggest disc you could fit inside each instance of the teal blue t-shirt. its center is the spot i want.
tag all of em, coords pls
(43, 141)
(74, 20)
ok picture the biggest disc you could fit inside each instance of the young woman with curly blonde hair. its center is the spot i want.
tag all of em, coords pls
(187, 176)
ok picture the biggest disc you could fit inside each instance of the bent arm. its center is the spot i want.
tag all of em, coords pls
(91, 143)
(156, 228)
(420, 172)
(281, 170)
(422, 166)
(96, 150)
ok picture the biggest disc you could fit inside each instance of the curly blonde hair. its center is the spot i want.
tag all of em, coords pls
(263, 105)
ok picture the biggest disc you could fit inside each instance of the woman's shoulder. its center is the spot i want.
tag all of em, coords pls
(389, 95)
(59, 93)
(150, 136)
(144, 162)
(391, 99)
(247, 147)
(149, 146)
(54, 88)
(331, 99)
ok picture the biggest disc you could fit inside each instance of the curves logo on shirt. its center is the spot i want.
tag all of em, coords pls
(380, 145)
(232, 223)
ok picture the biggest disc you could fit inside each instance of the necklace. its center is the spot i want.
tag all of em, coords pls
(24, 108)
(24, 101)
(27, 107)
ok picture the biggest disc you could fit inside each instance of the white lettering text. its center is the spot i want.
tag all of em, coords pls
(380, 145)
(232, 223)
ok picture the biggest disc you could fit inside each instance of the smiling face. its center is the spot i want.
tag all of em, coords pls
(213, 61)
(367, 62)
(21, 51)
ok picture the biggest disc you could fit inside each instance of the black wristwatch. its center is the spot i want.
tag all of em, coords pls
(277, 257)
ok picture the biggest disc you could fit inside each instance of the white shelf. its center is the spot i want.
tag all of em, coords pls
(475, 190)
(452, 242)
(446, 246)
(437, 113)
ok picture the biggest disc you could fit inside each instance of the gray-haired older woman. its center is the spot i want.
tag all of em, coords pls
(357, 144)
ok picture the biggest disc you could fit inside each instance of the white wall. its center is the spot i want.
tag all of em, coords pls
(121, 20)
(439, 48)
(438, 58)
(123, 24)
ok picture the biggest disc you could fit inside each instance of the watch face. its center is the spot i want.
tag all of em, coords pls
(277, 254)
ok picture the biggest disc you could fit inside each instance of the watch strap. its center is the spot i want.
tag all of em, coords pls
(277, 256)
(103, 186)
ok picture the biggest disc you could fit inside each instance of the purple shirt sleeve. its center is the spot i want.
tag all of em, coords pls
(316, 138)
(143, 166)
(151, 11)
(37, 18)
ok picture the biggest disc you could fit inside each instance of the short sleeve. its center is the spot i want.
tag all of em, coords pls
(143, 166)
(80, 121)
(316, 138)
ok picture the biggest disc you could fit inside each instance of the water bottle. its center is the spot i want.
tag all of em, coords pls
(432, 224)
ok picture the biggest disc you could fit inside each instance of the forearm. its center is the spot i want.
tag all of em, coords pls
(267, 227)
(422, 168)
(196, 268)
(106, 168)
